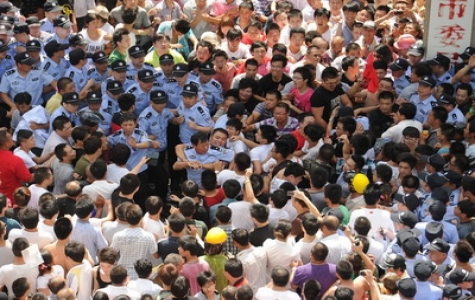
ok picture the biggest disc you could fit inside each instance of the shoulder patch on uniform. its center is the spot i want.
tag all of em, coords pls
(8, 56)
(35, 68)
(132, 90)
(216, 84)
(216, 148)
(117, 133)
(148, 64)
(89, 72)
(10, 72)
(195, 84)
(148, 116)
(171, 80)
(47, 65)
(138, 131)
(201, 111)
(71, 75)
(130, 77)
(433, 104)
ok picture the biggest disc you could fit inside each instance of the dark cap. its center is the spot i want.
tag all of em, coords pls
(407, 287)
(441, 60)
(427, 80)
(115, 87)
(410, 200)
(158, 97)
(407, 218)
(77, 40)
(33, 45)
(9, 20)
(460, 275)
(90, 118)
(62, 21)
(33, 21)
(6, 7)
(21, 28)
(53, 46)
(454, 177)
(119, 65)
(136, 52)
(6, 29)
(436, 180)
(71, 98)
(146, 76)
(78, 54)
(236, 109)
(165, 58)
(4, 46)
(24, 58)
(423, 269)
(446, 99)
(433, 230)
(180, 70)
(399, 64)
(452, 291)
(94, 97)
(404, 234)
(52, 6)
(393, 260)
(100, 57)
(435, 160)
(416, 50)
(207, 68)
(411, 246)
(437, 209)
(469, 51)
(438, 245)
(190, 90)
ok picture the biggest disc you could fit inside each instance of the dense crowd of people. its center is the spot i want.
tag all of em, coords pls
(233, 149)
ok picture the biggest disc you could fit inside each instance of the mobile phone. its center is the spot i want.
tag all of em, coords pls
(153, 161)
(342, 227)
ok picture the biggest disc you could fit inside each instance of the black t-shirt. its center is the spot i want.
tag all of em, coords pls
(67, 206)
(323, 98)
(117, 200)
(266, 84)
(383, 119)
(260, 235)
(346, 80)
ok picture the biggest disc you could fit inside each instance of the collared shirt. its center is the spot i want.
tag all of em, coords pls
(6, 64)
(198, 114)
(160, 79)
(109, 104)
(174, 90)
(61, 111)
(142, 98)
(78, 76)
(125, 85)
(291, 125)
(136, 154)
(423, 107)
(155, 123)
(55, 37)
(56, 70)
(132, 70)
(400, 84)
(425, 290)
(106, 121)
(90, 236)
(444, 78)
(98, 77)
(254, 261)
(206, 158)
(13, 83)
(47, 26)
(213, 94)
(455, 115)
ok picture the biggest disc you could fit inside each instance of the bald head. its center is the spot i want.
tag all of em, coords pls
(66, 294)
(331, 223)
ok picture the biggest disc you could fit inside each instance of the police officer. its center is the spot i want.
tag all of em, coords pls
(94, 101)
(198, 158)
(212, 89)
(194, 116)
(399, 68)
(35, 30)
(173, 87)
(52, 9)
(99, 72)
(119, 69)
(141, 90)
(69, 108)
(440, 69)
(6, 61)
(423, 99)
(33, 47)
(62, 30)
(455, 115)
(109, 100)
(54, 63)
(21, 33)
(25, 78)
(164, 73)
(137, 58)
(154, 121)
(78, 73)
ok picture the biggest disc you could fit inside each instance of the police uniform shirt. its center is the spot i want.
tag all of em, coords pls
(173, 91)
(109, 105)
(223, 154)
(455, 115)
(453, 201)
(423, 107)
(106, 123)
(426, 290)
(96, 76)
(44, 36)
(132, 71)
(400, 84)
(160, 79)
(136, 154)
(213, 94)
(206, 158)
(125, 85)
(199, 114)
(78, 76)
(155, 123)
(13, 83)
(54, 69)
(59, 40)
(47, 26)
(61, 111)
(6, 64)
(142, 98)
(446, 77)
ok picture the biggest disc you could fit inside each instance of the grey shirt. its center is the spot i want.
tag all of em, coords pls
(142, 20)
(63, 173)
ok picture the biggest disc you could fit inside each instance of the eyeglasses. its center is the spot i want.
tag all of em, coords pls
(274, 67)
(297, 78)
(331, 82)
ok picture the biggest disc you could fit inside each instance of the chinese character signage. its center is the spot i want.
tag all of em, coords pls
(449, 27)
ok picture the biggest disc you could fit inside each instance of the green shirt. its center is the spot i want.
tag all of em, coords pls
(152, 58)
(116, 55)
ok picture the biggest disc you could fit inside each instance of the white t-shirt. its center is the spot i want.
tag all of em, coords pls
(265, 293)
(11, 272)
(225, 175)
(155, 227)
(95, 45)
(36, 192)
(304, 249)
(115, 173)
(40, 238)
(242, 51)
(279, 254)
(26, 157)
(241, 215)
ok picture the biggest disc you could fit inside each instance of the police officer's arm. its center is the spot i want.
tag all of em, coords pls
(89, 85)
(180, 152)
(205, 129)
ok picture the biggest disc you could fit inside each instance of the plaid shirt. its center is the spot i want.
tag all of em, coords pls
(229, 245)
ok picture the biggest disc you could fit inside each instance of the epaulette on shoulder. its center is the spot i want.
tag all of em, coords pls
(132, 90)
(148, 116)
(46, 66)
(35, 68)
(148, 64)
(216, 84)
(138, 131)
(171, 80)
(188, 147)
(90, 71)
(216, 148)
(10, 72)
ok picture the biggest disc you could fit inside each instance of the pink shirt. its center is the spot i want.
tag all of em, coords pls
(302, 101)
(191, 270)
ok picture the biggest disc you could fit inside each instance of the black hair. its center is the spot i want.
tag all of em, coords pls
(231, 188)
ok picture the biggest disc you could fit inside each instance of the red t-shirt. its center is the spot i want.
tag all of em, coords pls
(13, 173)
(216, 199)
(300, 139)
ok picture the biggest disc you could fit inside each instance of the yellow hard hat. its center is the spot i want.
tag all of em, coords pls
(360, 182)
(216, 236)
